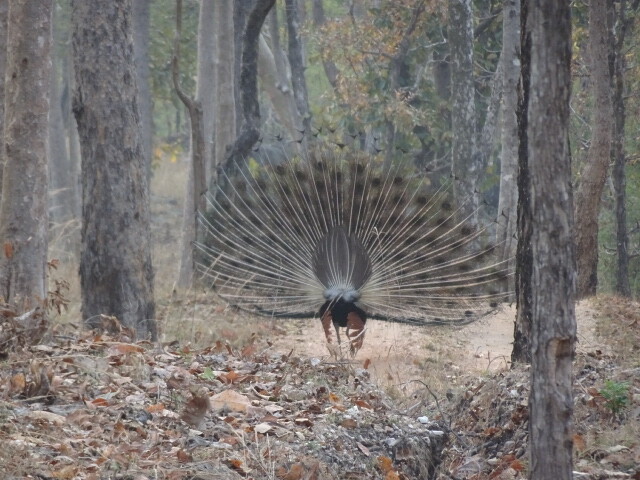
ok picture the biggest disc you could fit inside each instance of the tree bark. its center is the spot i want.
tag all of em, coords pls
(551, 222)
(594, 173)
(23, 210)
(618, 175)
(141, 19)
(487, 135)
(62, 175)
(4, 11)
(248, 86)
(226, 96)
(508, 201)
(200, 147)
(280, 94)
(319, 19)
(296, 63)
(116, 276)
(521, 352)
(464, 154)
(273, 71)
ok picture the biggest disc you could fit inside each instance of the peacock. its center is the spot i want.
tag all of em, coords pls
(336, 234)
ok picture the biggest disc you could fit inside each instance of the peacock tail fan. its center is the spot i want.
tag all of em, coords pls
(333, 233)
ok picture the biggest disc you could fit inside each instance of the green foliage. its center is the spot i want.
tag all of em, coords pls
(208, 374)
(616, 394)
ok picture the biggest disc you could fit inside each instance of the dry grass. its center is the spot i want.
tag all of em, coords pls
(619, 322)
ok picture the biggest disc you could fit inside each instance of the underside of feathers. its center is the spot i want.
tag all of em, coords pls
(295, 237)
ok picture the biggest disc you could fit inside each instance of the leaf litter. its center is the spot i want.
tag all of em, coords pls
(94, 406)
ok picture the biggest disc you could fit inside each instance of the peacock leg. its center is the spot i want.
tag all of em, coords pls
(355, 331)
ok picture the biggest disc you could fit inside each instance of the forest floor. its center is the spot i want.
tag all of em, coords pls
(227, 396)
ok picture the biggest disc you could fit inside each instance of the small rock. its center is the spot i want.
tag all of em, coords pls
(617, 448)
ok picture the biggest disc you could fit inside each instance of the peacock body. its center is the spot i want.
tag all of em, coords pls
(337, 236)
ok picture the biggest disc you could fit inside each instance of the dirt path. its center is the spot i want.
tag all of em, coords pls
(397, 353)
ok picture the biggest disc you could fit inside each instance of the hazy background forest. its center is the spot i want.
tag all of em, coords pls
(376, 65)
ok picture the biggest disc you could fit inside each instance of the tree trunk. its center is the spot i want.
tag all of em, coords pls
(524, 258)
(551, 224)
(4, 11)
(241, 10)
(23, 209)
(116, 276)
(594, 173)
(618, 174)
(62, 178)
(488, 134)
(273, 71)
(141, 19)
(225, 96)
(273, 83)
(206, 78)
(330, 69)
(510, 58)
(464, 155)
(71, 127)
(296, 62)
(249, 133)
(200, 145)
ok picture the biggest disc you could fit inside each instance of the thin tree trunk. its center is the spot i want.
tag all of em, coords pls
(226, 96)
(594, 173)
(618, 174)
(248, 86)
(319, 19)
(464, 154)
(510, 57)
(278, 92)
(551, 223)
(23, 210)
(4, 11)
(71, 129)
(116, 275)
(524, 257)
(487, 135)
(296, 62)
(141, 20)
(61, 178)
(206, 78)
(196, 177)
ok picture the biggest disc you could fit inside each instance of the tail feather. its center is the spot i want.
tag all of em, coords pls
(287, 237)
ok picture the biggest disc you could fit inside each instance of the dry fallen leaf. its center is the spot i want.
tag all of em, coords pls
(295, 472)
(17, 384)
(123, 348)
(196, 409)
(262, 428)
(158, 407)
(385, 464)
(184, 457)
(578, 442)
(363, 449)
(48, 416)
(8, 249)
(230, 400)
(349, 423)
